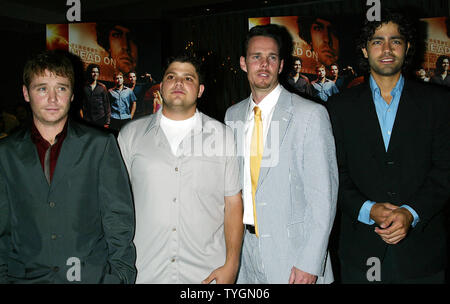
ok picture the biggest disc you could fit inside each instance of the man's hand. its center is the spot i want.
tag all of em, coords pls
(381, 211)
(223, 275)
(300, 277)
(396, 226)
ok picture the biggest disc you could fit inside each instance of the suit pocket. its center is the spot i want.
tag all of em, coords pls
(295, 230)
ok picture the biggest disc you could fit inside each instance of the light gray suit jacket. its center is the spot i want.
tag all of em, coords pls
(297, 187)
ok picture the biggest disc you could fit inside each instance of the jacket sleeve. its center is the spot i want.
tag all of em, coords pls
(320, 178)
(350, 199)
(107, 105)
(117, 215)
(5, 235)
(434, 194)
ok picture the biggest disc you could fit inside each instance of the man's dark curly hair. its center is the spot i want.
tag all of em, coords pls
(405, 27)
(439, 62)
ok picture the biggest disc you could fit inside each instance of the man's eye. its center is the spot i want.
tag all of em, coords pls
(116, 35)
(42, 89)
(317, 27)
(189, 78)
(376, 42)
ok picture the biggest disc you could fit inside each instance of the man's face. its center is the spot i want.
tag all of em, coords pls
(324, 41)
(445, 65)
(118, 80)
(334, 71)
(132, 78)
(262, 63)
(95, 73)
(297, 66)
(123, 49)
(386, 50)
(320, 73)
(49, 96)
(180, 87)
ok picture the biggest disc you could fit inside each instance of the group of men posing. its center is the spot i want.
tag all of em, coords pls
(251, 202)
(115, 107)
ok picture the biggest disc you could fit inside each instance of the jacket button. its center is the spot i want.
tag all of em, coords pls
(390, 163)
(53, 236)
(52, 204)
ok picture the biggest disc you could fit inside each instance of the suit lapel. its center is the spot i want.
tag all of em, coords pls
(281, 119)
(369, 121)
(406, 119)
(240, 118)
(27, 154)
(71, 151)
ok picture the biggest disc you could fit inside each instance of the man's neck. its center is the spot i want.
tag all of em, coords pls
(49, 131)
(259, 94)
(178, 114)
(93, 83)
(120, 88)
(321, 80)
(386, 83)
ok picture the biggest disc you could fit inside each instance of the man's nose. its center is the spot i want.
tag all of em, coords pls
(52, 95)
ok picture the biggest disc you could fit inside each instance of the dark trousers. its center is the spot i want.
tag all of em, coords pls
(389, 274)
(117, 124)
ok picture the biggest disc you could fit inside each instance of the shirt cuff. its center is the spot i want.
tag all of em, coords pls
(364, 213)
(414, 214)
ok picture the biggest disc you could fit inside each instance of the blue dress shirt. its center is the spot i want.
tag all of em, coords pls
(386, 114)
(121, 101)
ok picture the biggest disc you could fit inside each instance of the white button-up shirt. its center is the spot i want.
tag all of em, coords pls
(267, 106)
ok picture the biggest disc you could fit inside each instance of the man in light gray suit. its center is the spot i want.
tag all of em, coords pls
(288, 172)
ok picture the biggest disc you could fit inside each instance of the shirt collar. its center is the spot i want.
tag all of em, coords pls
(37, 138)
(267, 103)
(396, 90)
(155, 121)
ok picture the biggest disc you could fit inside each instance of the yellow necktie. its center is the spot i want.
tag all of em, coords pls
(256, 153)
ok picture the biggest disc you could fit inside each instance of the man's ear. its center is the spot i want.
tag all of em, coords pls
(365, 53)
(25, 93)
(243, 64)
(281, 66)
(200, 90)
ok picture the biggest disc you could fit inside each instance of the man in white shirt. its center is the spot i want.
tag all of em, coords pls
(185, 179)
(289, 172)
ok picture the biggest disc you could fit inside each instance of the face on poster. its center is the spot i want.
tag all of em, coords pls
(113, 46)
(437, 42)
(315, 39)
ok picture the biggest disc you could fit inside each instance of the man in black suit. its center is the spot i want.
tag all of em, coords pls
(393, 189)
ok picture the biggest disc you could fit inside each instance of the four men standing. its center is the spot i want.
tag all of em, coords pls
(187, 172)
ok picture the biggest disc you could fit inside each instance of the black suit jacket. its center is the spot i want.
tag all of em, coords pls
(85, 213)
(414, 171)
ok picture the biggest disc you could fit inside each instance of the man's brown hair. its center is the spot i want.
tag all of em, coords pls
(56, 62)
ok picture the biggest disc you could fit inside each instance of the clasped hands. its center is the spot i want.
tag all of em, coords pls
(394, 222)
